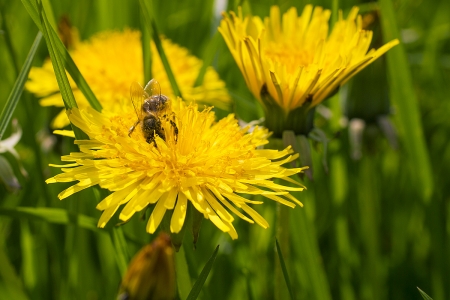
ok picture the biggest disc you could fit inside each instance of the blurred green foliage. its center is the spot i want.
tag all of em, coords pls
(376, 236)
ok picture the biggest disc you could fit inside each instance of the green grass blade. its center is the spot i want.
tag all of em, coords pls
(120, 246)
(334, 11)
(16, 92)
(58, 65)
(424, 295)
(30, 257)
(156, 39)
(202, 277)
(404, 97)
(249, 287)
(182, 273)
(11, 286)
(283, 268)
(208, 58)
(50, 215)
(50, 14)
(146, 50)
(69, 64)
(307, 252)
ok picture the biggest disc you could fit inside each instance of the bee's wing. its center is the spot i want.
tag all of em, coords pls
(153, 88)
(137, 98)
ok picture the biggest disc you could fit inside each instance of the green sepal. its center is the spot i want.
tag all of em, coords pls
(299, 120)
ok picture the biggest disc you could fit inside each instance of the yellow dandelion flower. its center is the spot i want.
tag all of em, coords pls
(111, 60)
(291, 61)
(209, 164)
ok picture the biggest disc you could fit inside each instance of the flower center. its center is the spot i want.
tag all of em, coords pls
(290, 57)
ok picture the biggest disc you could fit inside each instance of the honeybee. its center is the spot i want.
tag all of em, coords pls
(151, 107)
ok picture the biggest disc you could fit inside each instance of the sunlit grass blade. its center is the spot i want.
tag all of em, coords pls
(120, 246)
(334, 11)
(157, 40)
(182, 273)
(146, 50)
(202, 277)
(404, 97)
(283, 268)
(424, 295)
(58, 65)
(50, 215)
(50, 14)
(16, 92)
(69, 64)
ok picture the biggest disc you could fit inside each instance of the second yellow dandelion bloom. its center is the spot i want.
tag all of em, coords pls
(111, 60)
(291, 61)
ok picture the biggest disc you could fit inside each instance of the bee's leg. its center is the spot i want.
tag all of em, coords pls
(175, 129)
(132, 128)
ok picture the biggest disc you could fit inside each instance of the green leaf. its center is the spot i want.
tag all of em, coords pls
(202, 277)
(51, 215)
(407, 112)
(182, 273)
(16, 92)
(424, 295)
(69, 64)
(156, 39)
(285, 273)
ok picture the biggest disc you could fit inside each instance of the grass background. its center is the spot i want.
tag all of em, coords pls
(373, 228)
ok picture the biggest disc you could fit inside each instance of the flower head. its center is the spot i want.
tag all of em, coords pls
(111, 60)
(209, 164)
(289, 61)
